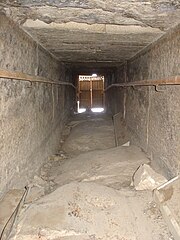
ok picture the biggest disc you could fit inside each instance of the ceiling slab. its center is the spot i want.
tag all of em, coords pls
(94, 30)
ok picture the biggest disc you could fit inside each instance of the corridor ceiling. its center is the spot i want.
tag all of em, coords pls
(94, 31)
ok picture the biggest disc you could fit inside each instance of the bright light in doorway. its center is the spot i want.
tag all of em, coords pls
(97, 110)
(81, 110)
(94, 75)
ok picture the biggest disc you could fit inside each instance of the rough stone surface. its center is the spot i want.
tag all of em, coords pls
(31, 116)
(85, 211)
(153, 117)
(94, 31)
(81, 205)
(91, 134)
(109, 166)
(167, 197)
(145, 178)
(8, 205)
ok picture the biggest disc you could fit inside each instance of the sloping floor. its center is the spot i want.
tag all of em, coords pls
(84, 191)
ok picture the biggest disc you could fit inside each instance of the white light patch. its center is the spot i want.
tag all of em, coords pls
(94, 75)
(81, 110)
(96, 110)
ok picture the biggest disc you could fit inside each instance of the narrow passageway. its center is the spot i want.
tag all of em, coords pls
(84, 191)
(89, 120)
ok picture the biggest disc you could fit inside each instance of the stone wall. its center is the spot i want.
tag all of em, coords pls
(31, 115)
(153, 117)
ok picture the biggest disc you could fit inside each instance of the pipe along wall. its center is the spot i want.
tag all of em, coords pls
(32, 115)
(152, 115)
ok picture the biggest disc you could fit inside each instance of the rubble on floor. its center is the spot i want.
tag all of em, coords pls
(111, 167)
(86, 194)
(145, 178)
(91, 134)
(91, 211)
(44, 184)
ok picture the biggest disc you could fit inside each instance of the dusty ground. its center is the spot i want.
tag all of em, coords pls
(111, 167)
(90, 133)
(86, 194)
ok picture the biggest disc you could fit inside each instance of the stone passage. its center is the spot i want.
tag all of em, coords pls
(87, 193)
(57, 57)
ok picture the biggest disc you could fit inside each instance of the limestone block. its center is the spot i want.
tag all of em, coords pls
(145, 178)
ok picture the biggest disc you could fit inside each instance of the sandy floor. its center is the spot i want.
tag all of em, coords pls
(83, 192)
(89, 134)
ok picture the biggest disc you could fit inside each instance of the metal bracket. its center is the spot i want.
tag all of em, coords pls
(158, 90)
